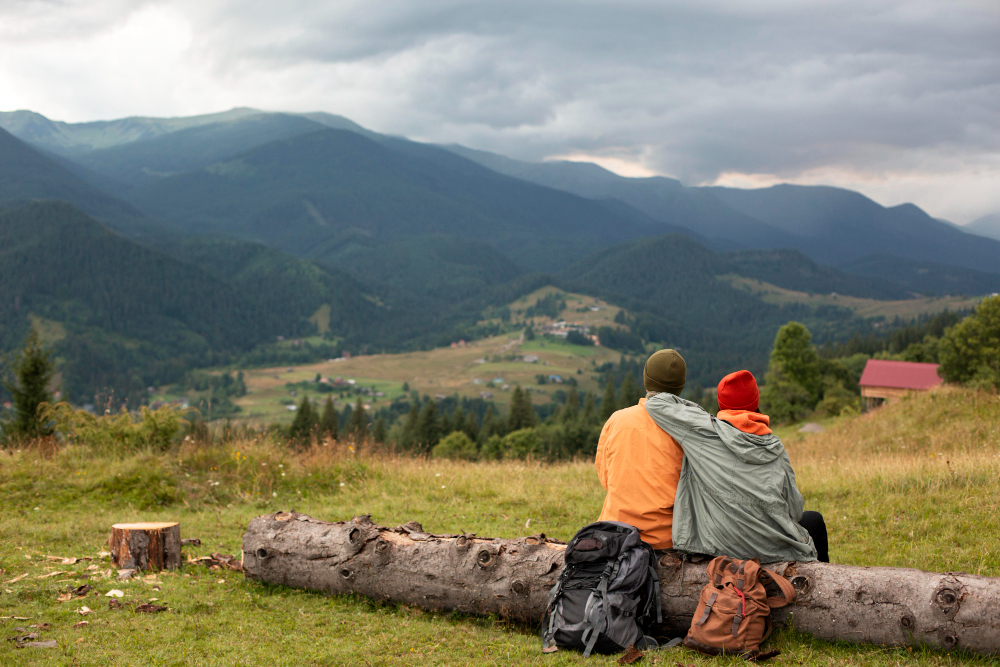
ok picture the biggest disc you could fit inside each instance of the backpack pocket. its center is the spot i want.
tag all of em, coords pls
(725, 622)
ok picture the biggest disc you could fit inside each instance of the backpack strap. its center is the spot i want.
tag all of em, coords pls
(656, 593)
(720, 569)
(592, 632)
(787, 590)
(708, 609)
(548, 634)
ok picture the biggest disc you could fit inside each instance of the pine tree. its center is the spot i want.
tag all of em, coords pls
(329, 423)
(380, 430)
(409, 435)
(589, 409)
(241, 385)
(627, 395)
(33, 370)
(471, 427)
(358, 424)
(458, 419)
(492, 424)
(522, 414)
(609, 403)
(428, 427)
(571, 411)
(446, 426)
(304, 423)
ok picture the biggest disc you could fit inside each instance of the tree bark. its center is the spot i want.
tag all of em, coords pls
(512, 579)
(146, 546)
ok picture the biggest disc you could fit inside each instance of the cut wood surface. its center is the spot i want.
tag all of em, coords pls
(512, 578)
(146, 546)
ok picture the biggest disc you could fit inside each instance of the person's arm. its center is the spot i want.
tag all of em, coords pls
(601, 460)
(793, 497)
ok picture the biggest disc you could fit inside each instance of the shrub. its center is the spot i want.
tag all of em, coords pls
(119, 433)
(456, 446)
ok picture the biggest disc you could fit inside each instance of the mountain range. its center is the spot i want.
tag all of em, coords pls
(309, 224)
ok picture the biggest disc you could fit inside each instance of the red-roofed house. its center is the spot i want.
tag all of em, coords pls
(883, 380)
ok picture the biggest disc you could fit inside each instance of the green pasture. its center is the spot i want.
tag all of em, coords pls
(911, 484)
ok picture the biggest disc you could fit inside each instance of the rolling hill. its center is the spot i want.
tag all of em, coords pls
(836, 226)
(26, 174)
(830, 225)
(306, 193)
(148, 159)
(128, 315)
(925, 277)
(988, 225)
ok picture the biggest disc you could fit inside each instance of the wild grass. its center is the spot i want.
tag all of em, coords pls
(887, 500)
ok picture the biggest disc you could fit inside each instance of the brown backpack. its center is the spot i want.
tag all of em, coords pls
(734, 609)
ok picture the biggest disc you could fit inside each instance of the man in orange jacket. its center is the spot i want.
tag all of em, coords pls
(638, 463)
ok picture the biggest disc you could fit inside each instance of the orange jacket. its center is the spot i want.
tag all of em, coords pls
(754, 423)
(639, 466)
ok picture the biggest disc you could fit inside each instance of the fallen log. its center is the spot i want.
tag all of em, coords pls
(512, 578)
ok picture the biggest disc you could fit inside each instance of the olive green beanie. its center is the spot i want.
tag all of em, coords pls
(665, 371)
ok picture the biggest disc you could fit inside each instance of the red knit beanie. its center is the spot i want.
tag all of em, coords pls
(738, 391)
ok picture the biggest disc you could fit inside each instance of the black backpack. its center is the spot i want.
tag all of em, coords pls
(607, 593)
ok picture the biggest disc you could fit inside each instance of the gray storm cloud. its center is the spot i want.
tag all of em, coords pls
(894, 95)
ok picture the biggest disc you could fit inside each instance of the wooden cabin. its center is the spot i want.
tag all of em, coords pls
(884, 380)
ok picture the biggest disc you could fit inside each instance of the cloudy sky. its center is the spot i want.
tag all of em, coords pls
(900, 100)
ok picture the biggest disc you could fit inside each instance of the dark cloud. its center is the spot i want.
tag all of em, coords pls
(693, 89)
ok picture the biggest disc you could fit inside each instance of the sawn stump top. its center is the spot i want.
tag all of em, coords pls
(144, 526)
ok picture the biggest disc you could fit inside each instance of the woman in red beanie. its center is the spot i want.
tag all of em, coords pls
(739, 400)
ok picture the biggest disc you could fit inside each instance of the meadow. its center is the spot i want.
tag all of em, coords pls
(911, 484)
(466, 370)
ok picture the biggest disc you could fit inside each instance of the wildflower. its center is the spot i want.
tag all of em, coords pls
(274, 494)
(342, 484)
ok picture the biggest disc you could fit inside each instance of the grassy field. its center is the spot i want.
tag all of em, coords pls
(912, 483)
(466, 369)
(905, 309)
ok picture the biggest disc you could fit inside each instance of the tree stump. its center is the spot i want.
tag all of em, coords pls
(146, 546)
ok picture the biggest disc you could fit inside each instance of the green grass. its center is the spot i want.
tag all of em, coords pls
(902, 506)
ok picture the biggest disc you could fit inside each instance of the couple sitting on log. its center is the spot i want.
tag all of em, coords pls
(703, 484)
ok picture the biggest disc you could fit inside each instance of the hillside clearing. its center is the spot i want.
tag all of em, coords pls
(905, 309)
(912, 483)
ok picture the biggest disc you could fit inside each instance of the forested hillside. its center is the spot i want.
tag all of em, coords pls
(26, 174)
(124, 316)
(256, 226)
(306, 193)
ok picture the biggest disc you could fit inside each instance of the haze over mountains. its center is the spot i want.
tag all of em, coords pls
(308, 223)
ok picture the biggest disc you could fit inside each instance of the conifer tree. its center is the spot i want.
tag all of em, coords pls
(471, 427)
(458, 420)
(627, 396)
(571, 411)
(358, 424)
(589, 409)
(428, 427)
(492, 424)
(445, 423)
(609, 403)
(241, 385)
(409, 436)
(522, 414)
(380, 430)
(329, 423)
(33, 371)
(304, 423)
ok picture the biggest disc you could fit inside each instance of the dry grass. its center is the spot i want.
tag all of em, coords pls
(887, 501)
